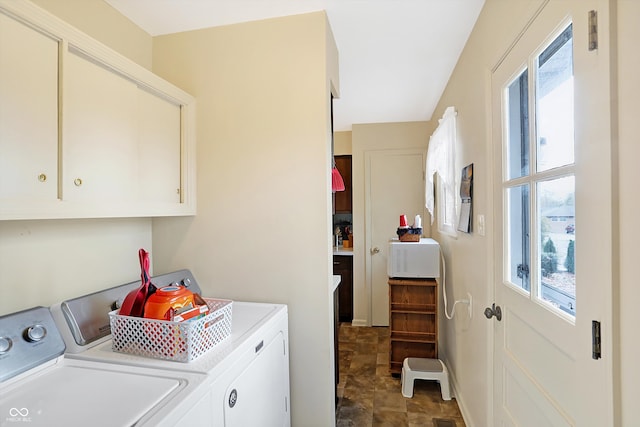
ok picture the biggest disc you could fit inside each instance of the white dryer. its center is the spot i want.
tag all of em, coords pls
(247, 373)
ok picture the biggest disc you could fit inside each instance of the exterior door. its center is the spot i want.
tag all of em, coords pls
(553, 222)
(394, 185)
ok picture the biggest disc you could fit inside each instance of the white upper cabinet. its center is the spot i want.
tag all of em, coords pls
(158, 129)
(28, 114)
(84, 131)
(100, 146)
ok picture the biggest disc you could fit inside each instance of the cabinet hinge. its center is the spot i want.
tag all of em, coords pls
(595, 340)
(593, 30)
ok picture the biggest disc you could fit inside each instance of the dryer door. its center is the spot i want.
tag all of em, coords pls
(258, 396)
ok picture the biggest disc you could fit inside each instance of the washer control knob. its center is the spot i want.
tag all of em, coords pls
(35, 333)
(186, 282)
(5, 344)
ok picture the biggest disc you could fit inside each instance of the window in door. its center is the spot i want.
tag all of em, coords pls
(539, 181)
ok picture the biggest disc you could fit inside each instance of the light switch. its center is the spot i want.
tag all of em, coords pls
(480, 221)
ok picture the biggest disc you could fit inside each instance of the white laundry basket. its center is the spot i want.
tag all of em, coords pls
(177, 341)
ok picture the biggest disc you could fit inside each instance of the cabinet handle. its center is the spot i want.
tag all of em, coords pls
(77, 182)
(42, 177)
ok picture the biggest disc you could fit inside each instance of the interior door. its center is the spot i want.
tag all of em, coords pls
(394, 185)
(552, 162)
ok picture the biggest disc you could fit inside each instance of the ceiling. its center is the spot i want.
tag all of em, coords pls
(396, 56)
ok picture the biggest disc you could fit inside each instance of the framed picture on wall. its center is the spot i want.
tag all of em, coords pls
(466, 196)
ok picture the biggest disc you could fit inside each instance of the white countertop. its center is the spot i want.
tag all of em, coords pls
(342, 251)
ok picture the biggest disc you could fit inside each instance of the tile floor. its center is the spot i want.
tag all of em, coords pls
(370, 397)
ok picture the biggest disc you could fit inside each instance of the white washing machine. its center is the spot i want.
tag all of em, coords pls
(247, 373)
(41, 387)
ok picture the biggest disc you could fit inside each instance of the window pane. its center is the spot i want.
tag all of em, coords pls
(554, 103)
(518, 127)
(518, 235)
(556, 216)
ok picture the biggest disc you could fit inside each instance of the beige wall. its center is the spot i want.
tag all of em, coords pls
(46, 262)
(50, 261)
(628, 35)
(342, 143)
(369, 137)
(105, 24)
(262, 231)
(464, 344)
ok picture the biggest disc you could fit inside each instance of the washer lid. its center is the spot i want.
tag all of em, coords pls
(79, 396)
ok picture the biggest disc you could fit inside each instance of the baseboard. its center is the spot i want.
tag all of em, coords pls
(453, 383)
(359, 322)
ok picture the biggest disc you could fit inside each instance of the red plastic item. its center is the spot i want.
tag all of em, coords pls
(337, 183)
(133, 304)
(167, 301)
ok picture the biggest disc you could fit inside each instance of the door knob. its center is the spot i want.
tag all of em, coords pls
(375, 250)
(494, 310)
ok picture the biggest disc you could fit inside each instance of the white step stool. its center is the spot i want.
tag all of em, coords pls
(420, 368)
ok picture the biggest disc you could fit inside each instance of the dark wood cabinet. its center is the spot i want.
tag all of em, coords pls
(413, 320)
(343, 266)
(343, 199)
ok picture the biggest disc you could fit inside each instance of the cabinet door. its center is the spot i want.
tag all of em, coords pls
(28, 114)
(258, 396)
(343, 266)
(100, 150)
(159, 143)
